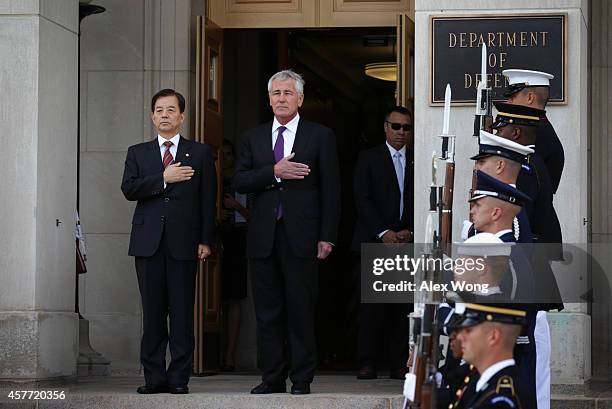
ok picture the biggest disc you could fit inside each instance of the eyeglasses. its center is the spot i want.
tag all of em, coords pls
(396, 126)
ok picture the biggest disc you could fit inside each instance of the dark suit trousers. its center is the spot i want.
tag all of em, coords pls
(285, 291)
(382, 327)
(167, 287)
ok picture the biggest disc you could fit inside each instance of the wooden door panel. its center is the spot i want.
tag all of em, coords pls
(263, 13)
(209, 130)
(405, 61)
(362, 13)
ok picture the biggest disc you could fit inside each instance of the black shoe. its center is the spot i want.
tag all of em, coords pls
(151, 389)
(300, 389)
(265, 387)
(178, 390)
(367, 372)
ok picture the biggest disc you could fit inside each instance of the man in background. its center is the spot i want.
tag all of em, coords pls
(383, 189)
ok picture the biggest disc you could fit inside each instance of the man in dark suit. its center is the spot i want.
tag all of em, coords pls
(291, 168)
(174, 183)
(383, 189)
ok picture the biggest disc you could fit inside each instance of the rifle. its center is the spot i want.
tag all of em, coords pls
(448, 154)
(420, 386)
(484, 99)
(483, 119)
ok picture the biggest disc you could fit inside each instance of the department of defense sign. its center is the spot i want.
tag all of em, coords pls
(528, 41)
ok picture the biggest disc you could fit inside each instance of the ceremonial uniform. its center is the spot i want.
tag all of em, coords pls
(534, 179)
(548, 146)
(499, 391)
(499, 384)
(492, 145)
(519, 282)
(529, 288)
(458, 384)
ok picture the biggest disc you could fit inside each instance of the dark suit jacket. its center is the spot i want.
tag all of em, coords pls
(187, 207)
(377, 195)
(311, 206)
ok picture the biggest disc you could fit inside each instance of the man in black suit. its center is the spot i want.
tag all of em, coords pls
(174, 183)
(383, 189)
(291, 168)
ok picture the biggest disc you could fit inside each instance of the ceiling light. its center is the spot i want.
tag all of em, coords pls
(386, 71)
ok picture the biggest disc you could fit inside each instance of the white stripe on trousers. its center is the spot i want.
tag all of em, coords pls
(542, 344)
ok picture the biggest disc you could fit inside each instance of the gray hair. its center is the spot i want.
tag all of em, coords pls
(285, 75)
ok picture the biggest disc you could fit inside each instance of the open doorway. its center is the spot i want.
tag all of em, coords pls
(339, 95)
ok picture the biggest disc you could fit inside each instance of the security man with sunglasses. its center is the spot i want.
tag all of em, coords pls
(383, 189)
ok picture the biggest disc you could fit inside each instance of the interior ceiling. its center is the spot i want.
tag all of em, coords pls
(343, 53)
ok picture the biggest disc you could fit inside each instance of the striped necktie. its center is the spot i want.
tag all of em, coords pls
(168, 159)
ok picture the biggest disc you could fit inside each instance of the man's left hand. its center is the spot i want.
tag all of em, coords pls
(324, 248)
(203, 251)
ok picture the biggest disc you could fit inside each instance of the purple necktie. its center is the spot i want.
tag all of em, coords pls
(279, 153)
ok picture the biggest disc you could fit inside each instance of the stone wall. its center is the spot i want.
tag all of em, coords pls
(38, 66)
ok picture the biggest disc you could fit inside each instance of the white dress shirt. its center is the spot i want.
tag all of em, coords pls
(162, 149)
(288, 135)
(402, 160)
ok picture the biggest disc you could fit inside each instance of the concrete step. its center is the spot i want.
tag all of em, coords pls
(232, 392)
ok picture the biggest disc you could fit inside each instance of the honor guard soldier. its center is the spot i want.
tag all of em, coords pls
(504, 159)
(458, 378)
(488, 334)
(495, 207)
(519, 124)
(533, 347)
(532, 88)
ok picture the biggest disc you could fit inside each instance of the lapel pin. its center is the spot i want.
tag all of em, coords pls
(187, 155)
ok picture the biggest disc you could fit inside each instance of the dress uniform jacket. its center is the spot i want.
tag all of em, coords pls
(501, 391)
(534, 180)
(549, 147)
(455, 385)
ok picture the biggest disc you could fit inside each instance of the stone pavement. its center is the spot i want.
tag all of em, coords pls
(232, 392)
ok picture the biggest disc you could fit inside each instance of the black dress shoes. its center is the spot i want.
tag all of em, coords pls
(151, 389)
(367, 372)
(178, 390)
(265, 387)
(300, 389)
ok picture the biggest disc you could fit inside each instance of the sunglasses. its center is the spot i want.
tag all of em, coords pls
(397, 126)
